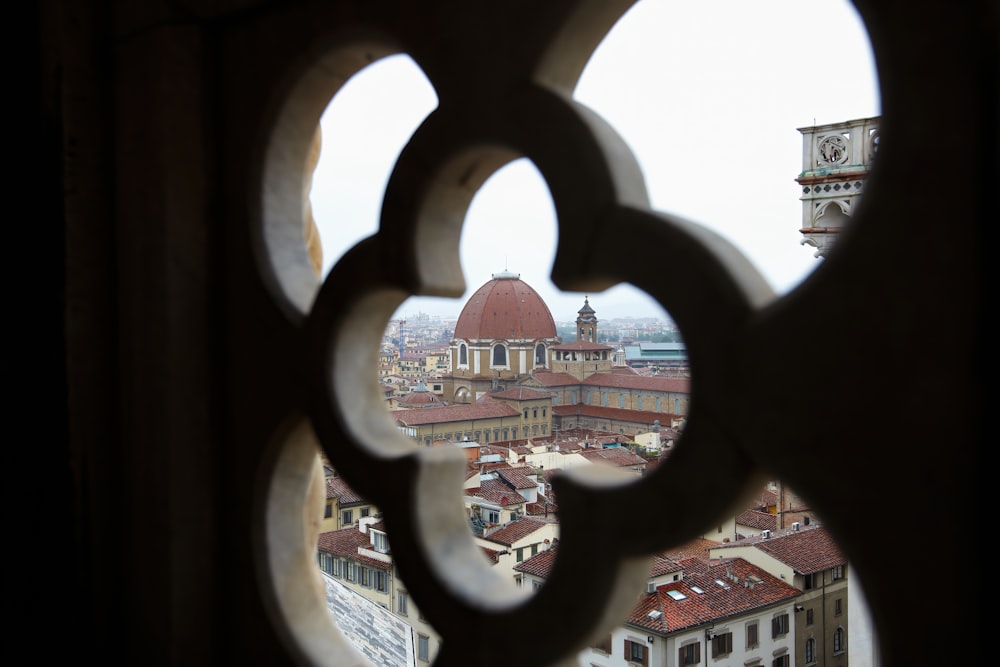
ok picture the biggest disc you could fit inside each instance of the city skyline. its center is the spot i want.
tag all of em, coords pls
(724, 155)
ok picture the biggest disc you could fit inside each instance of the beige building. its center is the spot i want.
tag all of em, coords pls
(807, 558)
(505, 340)
(359, 557)
(513, 414)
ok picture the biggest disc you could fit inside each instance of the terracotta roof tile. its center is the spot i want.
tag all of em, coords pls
(648, 383)
(517, 478)
(520, 394)
(584, 345)
(808, 550)
(548, 378)
(497, 492)
(616, 456)
(454, 413)
(757, 519)
(515, 531)
(346, 542)
(745, 587)
(337, 487)
(617, 414)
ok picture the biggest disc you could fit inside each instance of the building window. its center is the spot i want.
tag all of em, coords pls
(519, 555)
(423, 648)
(809, 616)
(544, 411)
(753, 638)
(346, 517)
(838, 572)
(534, 413)
(621, 400)
(540, 355)
(604, 645)
(838, 640)
(351, 570)
(326, 563)
(722, 644)
(677, 406)
(365, 576)
(637, 653)
(365, 511)
(782, 661)
(810, 651)
(779, 626)
(328, 511)
(402, 602)
(381, 581)
(493, 516)
(463, 355)
(810, 582)
(689, 654)
(837, 607)
(499, 355)
(526, 413)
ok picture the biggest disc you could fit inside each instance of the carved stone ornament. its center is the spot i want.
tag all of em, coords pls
(833, 150)
(598, 190)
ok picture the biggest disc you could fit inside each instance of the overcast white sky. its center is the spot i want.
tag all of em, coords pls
(707, 94)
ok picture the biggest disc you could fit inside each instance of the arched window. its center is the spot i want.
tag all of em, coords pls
(463, 355)
(838, 640)
(810, 651)
(540, 355)
(499, 355)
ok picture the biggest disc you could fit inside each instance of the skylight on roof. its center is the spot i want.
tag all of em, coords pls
(676, 595)
(722, 583)
(697, 590)
(656, 613)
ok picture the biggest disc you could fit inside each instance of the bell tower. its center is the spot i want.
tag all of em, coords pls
(586, 322)
(836, 159)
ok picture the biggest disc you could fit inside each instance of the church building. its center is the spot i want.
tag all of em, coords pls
(503, 334)
(506, 351)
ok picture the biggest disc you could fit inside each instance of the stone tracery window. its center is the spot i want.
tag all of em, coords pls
(499, 352)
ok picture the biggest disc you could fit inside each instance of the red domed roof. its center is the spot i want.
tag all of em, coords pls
(505, 307)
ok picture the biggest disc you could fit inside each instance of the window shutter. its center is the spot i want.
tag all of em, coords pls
(680, 656)
(645, 656)
(697, 653)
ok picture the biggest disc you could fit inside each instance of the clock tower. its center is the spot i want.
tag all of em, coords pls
(836, 159)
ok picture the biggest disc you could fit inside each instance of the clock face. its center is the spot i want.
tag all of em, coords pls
(833, 150)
